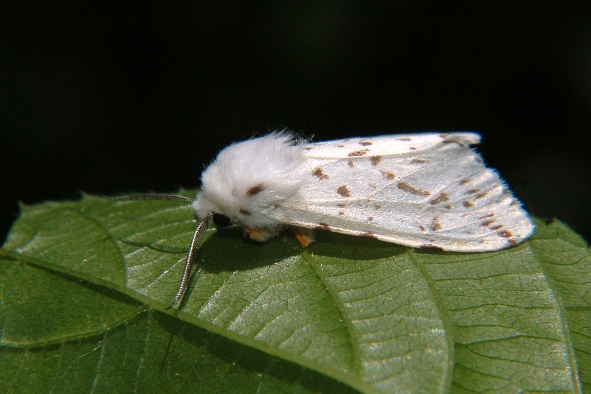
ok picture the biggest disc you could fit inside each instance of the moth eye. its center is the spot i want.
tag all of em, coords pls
(221, 220)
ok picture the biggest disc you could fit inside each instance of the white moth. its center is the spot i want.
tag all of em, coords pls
(425, 190)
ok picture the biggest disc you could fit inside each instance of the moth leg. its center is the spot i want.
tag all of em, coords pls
(261, 234)
(304, 235)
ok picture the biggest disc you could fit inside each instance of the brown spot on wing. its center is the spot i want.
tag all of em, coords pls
(323, 226)
(512, 242)
(404, 139)
(488, 216)
(413, 190)
(365, 143)
(275, 206)
(432, 247)
(256, 189)
(341, 205)
(342, 213)
(344, 191)
(497, 227)
(370, 219)
(351, 163)
(473, 191)
(244, 212)
(375, 160)
(442, 197)
(412, 148)
(418, 161)
(465, 181)
(318, 173)
(453, 140)
(369, 234)
(377, 206)
(423, 228)
(359, 152)
(436, 224)
(480, 195)
(487, 223)
(468, 203)
(388, 175)
(505, 234)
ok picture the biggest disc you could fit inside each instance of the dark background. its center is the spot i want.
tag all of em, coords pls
(139, 97)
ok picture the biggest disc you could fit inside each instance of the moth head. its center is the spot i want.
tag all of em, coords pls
(227, 210)
(222, 213)
(221, 220)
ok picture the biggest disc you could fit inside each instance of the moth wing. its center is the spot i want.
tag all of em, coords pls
(385, 145)
(437, 195)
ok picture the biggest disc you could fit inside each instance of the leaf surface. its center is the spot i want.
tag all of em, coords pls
(86, 283)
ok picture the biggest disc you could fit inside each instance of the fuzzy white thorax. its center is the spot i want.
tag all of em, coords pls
(251, 178)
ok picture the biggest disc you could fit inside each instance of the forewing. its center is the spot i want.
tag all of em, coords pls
(431, 190)
(386, 145)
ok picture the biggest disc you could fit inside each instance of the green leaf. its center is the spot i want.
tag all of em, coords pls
(85, 285)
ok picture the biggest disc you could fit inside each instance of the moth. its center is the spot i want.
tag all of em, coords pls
(428, 190)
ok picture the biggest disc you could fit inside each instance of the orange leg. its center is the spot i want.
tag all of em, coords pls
(305, 236)
(260, 234)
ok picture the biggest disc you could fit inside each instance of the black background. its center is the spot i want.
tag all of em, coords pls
(107, 98)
